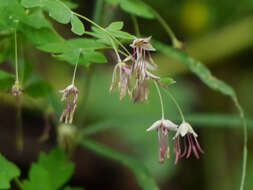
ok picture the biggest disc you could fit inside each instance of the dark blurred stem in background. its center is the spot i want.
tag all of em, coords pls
(136, 26)
(19, 135)
(98, 11)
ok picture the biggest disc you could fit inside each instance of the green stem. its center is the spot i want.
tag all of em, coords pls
(176, 43)
(136, 26)
(16, 56)
(18, 183)
(98, 10)
(175, 101)
(160, 96)
(245, 149)
(74, 74)
(104, 30)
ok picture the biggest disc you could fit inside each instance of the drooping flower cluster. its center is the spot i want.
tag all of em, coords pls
(123, 80)
(70, 94)
(134, 79)
(184, 131)
(137, 72)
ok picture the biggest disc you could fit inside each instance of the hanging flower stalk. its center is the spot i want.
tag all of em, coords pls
(16, 89)
(70, 94)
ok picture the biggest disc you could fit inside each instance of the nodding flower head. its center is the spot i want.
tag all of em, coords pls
(16, 89)
(121, 78)
(143, 44)
(142, 67)
(70, 94)
(163, 127)
(191, 143)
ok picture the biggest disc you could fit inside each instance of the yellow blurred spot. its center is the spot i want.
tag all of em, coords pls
(194, 16)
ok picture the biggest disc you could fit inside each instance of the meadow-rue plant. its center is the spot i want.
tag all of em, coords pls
(132, 76)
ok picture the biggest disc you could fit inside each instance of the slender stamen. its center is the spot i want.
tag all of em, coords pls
(190, 147)
(185, 147)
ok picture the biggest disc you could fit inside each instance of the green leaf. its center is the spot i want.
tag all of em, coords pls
(58, 166)
(8, 172)
(136, 7)
(51, 171)
(11, 14)
(32, 3)
(59, 11)
(56, 9)
(93, 56)
(144, 179)
(39, 179)
(37, 20)
(70, 50)
(196, 67)
(85, 44)
(5, 75)
(40, 36)
(54, 47)
(6, 80)
(114, 29)
(115, 26)
(167, 81)
(70, 56)
(77, 25)
(38, 88)
(70, 4)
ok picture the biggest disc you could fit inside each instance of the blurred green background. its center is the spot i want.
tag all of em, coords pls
(218, 33)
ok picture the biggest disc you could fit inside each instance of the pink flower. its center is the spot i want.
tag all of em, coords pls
(142, 67)
(163, 127)
(70, 94)
(121, 78)
(191, 143)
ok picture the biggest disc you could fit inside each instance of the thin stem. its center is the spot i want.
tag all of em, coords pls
(245, 149)
(18, 183)
(160, 96)
(115, 50)
(178, 107)
(16, 55)
(101, 28)
(136, 26)
(95, 24)
(176, 43)
(74, 74)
